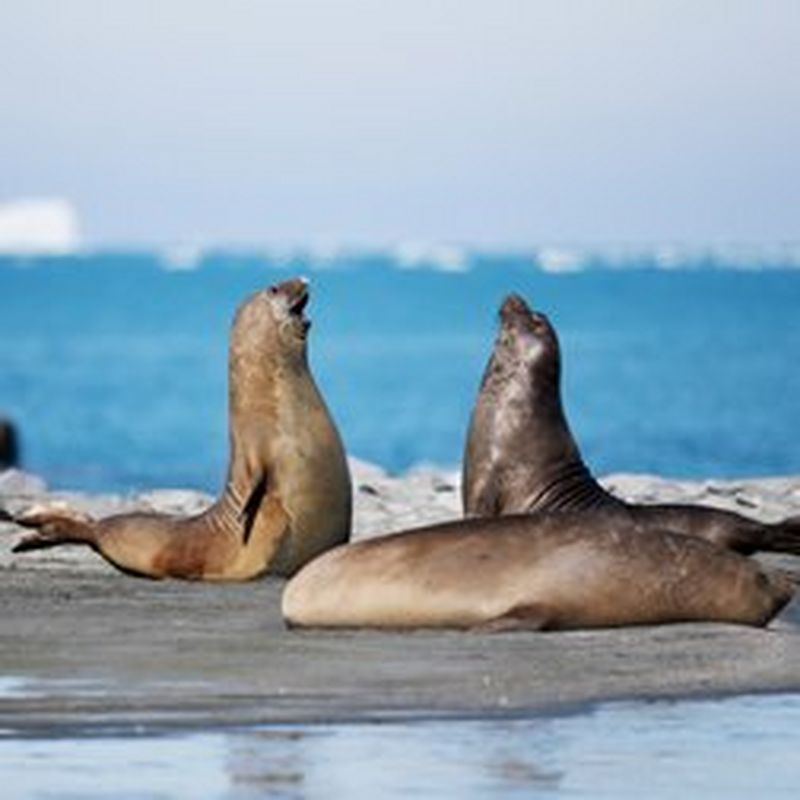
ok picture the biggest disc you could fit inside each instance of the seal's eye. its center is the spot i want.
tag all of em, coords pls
(273, 290)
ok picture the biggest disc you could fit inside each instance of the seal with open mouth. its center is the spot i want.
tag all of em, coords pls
(521, 457)
(287, 496)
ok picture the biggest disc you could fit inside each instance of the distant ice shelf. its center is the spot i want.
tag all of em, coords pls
(39, 225)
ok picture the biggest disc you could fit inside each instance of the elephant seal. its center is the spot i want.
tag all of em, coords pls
(9, 447)
(547, 571)
(287, 496)
(520, 456)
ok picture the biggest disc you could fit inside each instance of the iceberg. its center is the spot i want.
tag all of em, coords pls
(43, 225)
(419, 255)
(558, 259)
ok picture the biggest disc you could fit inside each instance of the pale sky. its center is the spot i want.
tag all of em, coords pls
(495, 123)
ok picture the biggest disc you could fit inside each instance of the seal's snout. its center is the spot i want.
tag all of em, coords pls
(299, 301)
(289, 300)
(293, 292)
(513, 308)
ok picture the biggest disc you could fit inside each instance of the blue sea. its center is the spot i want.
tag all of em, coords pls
(113, 365)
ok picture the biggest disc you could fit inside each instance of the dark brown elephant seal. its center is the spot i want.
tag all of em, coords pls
(520, 456)
(539, 572)
(287, 496)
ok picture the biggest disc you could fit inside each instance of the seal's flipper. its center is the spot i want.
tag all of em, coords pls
(266, 550)
(35, 541)
(53, 529)
(280, 525)
(534, 617)
(249, 510)
(784, 536)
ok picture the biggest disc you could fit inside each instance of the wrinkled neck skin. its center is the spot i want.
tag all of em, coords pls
(521, 441)
(556, 476)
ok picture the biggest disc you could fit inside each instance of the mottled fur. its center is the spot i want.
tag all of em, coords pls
(521, 457)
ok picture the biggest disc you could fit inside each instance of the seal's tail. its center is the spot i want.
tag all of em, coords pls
(52, 528)
(784, 536)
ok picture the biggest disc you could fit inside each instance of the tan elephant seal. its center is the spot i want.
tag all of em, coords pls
(521, 457)
(547, 571)
(287, 496)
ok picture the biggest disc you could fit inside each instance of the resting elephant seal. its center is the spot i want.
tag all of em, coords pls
(520, 456)
(287, 496)
(547, 571)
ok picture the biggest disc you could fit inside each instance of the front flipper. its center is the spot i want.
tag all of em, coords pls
(533, 617)
(267, 550)
(250, 508)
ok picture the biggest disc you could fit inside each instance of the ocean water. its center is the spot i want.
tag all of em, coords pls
(742, 747)
(113, 365)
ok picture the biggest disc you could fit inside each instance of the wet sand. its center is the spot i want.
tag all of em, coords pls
(84, 648)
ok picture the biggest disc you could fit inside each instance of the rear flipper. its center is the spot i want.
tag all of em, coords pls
(784, 536)
(52, 528)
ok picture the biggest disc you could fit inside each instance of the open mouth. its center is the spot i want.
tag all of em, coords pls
(292, 298)
(299, 303)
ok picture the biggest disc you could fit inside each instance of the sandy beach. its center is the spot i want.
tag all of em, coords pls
(83, 647)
